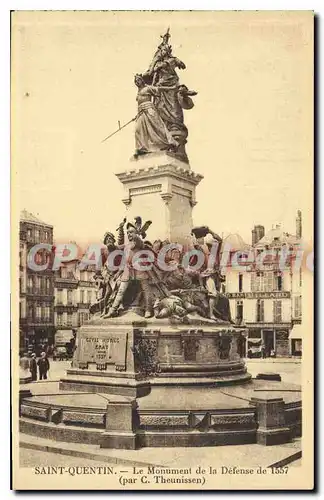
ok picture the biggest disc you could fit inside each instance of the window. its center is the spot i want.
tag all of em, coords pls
(60, 296)
(298, 307)
(30, 312)
(240, 282)
(39, 258)
(260, 311)
(37, 235)
(277, 317)
(29, 234)
(83, 317)
(30, 283)
(64, 272)
(239, 311)
(38, 312)
(89, 296)
(262, 281)
(255, 282)
(82, 296)
(268, 284)
(69, 319)
(278, 281)
(38, 283)
(46, 314)
(59, 319)
(70, 297)
(45, 235)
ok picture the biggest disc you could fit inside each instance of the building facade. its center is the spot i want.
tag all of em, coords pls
(36, 288)
(267, 298)
(75, 291)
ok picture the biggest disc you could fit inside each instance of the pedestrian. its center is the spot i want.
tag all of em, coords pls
(263, 352)
(33, 367)
(43, 365)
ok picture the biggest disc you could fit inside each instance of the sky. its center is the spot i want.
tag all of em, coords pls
(250, 131)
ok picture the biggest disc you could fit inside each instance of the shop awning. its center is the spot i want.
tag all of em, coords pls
(255, 341)
(63, 336)
(296, 332)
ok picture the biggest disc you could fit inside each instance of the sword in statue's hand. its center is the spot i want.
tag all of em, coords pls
(120, 128)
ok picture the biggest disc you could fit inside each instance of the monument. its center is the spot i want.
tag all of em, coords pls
(160, 356)
(159, 179)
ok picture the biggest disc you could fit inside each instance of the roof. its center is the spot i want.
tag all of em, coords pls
(277, 236)
(26, 216)
(235, 242)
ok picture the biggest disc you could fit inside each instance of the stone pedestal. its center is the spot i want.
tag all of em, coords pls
(270, 416)
(119, 425)
(128, 356)
(137, 383)
(162, 188)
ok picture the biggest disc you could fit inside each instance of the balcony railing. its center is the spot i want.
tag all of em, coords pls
(83, 305)
(39, 321)
(268, 324)
(40, 291)
(67, 325)
(65, 308)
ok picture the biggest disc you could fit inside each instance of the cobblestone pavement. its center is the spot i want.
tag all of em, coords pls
(289, 369)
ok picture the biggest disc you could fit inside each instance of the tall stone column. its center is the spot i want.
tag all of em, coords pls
(161, 188)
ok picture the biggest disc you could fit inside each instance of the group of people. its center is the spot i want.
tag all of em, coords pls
(158, 292)
(267, 353)
(33, 364)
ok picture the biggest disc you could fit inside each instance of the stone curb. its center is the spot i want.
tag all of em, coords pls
(114, 460)
(287, 460)
(277, 360)
(98, 457)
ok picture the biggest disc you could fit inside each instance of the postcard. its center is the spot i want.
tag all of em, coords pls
(162, 250)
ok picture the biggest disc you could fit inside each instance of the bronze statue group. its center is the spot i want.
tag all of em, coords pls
(176, 290)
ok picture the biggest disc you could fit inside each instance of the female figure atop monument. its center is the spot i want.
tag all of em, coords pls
(173, 97)
(151, 133)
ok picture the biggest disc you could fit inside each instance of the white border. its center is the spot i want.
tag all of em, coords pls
(5, 8)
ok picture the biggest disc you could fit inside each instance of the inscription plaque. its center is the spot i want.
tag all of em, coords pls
(102, 349)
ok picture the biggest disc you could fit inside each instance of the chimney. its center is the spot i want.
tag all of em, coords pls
(257, 234)
(299, 224)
